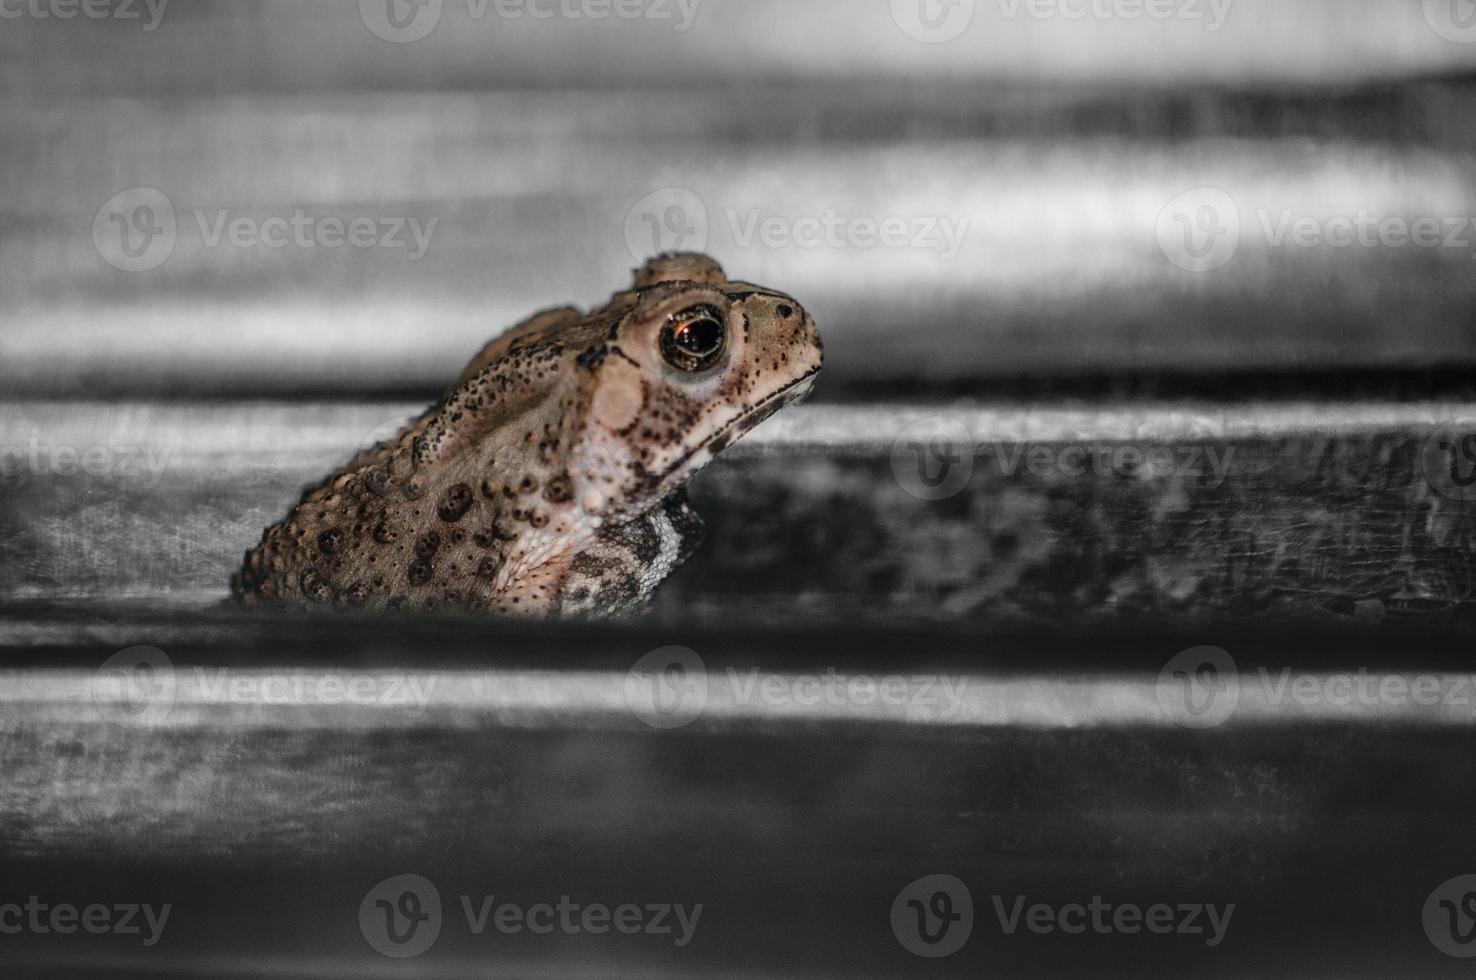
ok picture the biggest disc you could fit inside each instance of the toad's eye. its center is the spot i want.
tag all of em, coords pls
(694, 339)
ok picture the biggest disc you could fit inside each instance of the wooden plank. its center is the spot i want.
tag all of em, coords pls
(1329, 513)
(303, 820)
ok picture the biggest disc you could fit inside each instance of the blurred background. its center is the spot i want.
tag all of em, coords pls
(964, 192)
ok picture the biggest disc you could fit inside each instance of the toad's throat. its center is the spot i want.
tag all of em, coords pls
(795, 391)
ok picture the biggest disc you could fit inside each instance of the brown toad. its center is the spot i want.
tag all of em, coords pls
(550, 481)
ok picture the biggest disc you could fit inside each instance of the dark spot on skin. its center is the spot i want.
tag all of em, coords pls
(458, 536)
(539, 519)
(488, 569)
(428, 545)
(489, 489)
(330, 540)
(354, 595)
(454, 505)
(528, 486)
(385, 534)
(378, 481)
(593, 357)
(421, 572)
(560, 490)
(785, 310)
(315, 587)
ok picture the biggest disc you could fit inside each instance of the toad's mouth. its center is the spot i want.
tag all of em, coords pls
(795, 391)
